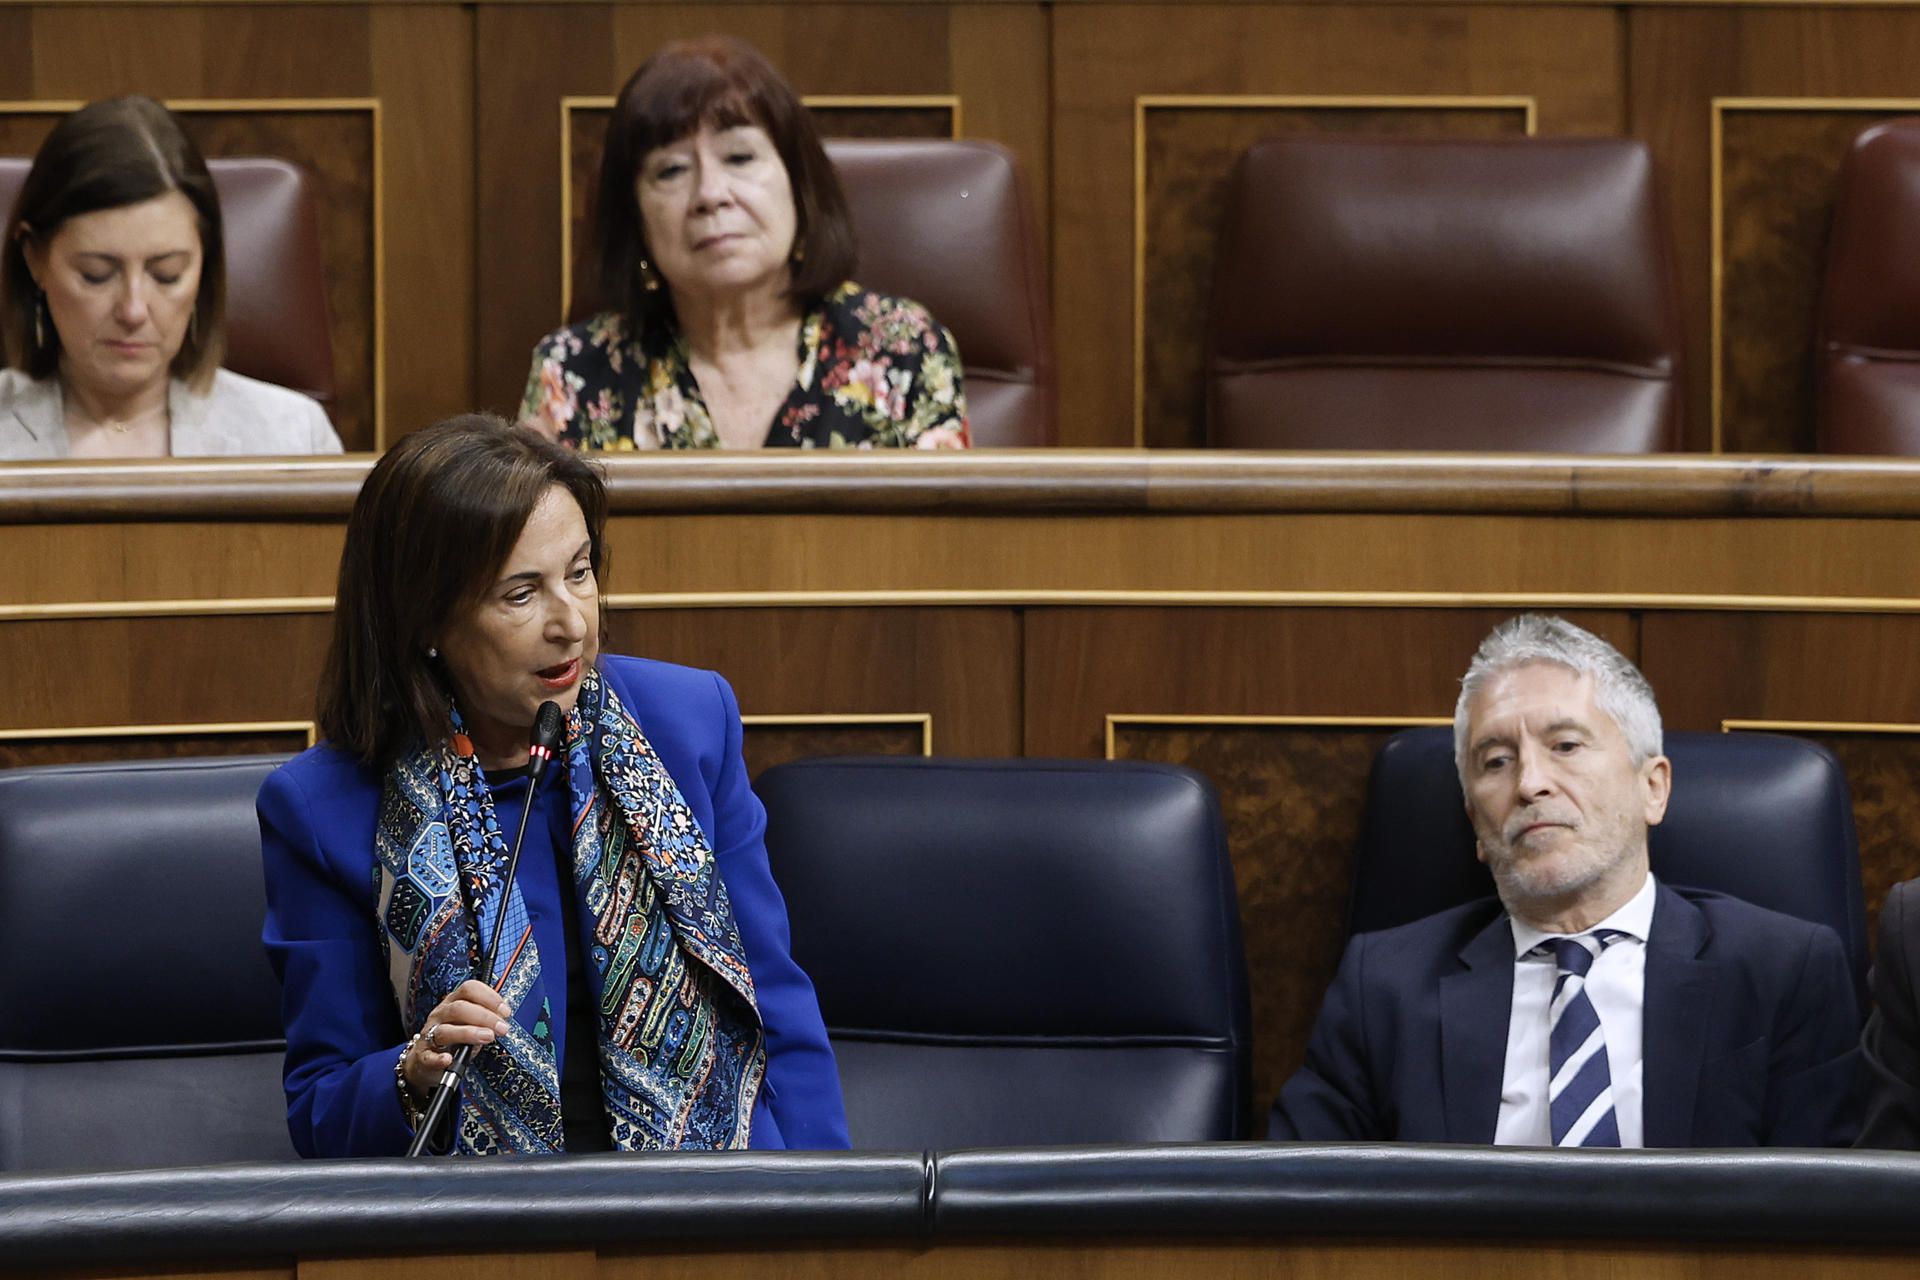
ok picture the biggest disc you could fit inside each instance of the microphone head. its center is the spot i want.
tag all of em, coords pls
(548, 723)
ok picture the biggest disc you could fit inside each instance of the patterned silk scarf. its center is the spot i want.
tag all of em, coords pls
(682, 1051)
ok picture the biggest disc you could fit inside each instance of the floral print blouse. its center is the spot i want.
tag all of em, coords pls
(875, 372)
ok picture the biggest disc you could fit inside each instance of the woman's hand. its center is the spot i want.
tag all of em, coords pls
(472, 1014)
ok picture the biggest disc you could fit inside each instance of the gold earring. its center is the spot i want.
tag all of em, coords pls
(648, 281)
(799, 253)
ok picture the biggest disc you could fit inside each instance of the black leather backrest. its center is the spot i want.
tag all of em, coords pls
(1017, 951)
(139, 1019)
(1755, 815)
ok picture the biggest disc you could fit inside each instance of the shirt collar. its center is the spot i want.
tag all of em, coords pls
(1634, 918)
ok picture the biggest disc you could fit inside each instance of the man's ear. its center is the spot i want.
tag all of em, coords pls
(1656, 777)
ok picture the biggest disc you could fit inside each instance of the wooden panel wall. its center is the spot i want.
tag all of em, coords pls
(1126, 118)
(866, 633)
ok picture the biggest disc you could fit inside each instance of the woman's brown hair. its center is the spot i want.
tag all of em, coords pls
(723, 83)
(107, 155)
(436, 519)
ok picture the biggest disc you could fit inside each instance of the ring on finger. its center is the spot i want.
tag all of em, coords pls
(433, 1037)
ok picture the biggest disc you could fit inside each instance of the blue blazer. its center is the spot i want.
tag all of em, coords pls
(1750, 1031)
(317, 818)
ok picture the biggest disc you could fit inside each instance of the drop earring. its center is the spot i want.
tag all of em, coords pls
(40, 320)
(648, 280)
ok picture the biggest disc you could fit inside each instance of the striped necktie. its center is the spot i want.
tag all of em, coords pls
(1580, 1087)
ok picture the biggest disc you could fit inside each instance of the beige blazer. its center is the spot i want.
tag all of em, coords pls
(238, 415)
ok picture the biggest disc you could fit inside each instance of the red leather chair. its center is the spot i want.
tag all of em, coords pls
(947, 224)
(1867, 344)
(1437, 294)
(276, 282)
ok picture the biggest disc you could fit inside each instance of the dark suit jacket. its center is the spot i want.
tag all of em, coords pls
(1749, 1031)
(1892, 1041)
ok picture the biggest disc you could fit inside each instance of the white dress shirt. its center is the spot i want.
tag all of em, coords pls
(1617, 986)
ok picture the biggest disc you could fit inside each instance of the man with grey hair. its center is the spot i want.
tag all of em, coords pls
(1589, 1005)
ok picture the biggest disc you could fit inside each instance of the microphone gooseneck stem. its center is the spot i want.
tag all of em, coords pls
(449, 1087)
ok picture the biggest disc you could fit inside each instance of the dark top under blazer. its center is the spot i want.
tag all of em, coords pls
(1749, 1031)
(317, 818)
(1892, 1041)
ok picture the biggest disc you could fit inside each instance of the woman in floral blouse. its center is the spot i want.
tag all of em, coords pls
(726, 241)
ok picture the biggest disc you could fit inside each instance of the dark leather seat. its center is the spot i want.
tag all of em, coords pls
(1017, 951)
(276, 281)
(1758, 816)
(139, 1019)
(1513, 294)
(1867, 365)
(947, 224)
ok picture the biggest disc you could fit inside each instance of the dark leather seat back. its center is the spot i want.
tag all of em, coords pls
(1013, 952)
(1867, 366)
(1754, 815)
(276, 281)
(1512, 294)
(947, 224)
(139, 1018)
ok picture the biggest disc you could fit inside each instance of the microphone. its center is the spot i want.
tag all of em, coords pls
(548, 722)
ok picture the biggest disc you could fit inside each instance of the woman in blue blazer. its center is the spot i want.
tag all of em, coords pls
(644, 996)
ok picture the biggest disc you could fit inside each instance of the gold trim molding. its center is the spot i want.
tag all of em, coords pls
(1816, 726)
(852, 719)
(207, 729)
(1022, 598)
(1716, 158)
(569, 103)
(1117, 722)
(1143, 103)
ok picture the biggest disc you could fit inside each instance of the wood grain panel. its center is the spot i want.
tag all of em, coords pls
(423, 57)
(158, 1271)
(961, 666)
(517, 176)
(1105, 56)
(767, 745)
(82, 52)
(284, 51)
(18, 752)
(1680, 58)
(48, 563)
(1286, 1258)
(135, 671)
(1293, 797)
(16, 52)
(492, 1265)
(1282, 1257)
(591, 49)
(1883, 774)
(1816, 670)
(1189, 152)
(1778, 174)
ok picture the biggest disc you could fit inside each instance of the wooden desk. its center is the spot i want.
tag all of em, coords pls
(1267, 619)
